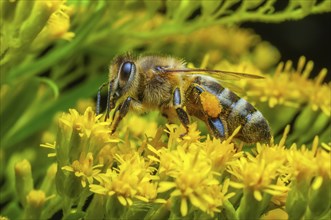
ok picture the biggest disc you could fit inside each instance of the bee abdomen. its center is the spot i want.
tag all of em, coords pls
(235, 112)
(255, 128)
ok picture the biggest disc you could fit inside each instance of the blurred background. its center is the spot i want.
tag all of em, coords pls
(309, 36)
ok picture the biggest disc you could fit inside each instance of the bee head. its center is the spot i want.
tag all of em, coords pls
(122, 73)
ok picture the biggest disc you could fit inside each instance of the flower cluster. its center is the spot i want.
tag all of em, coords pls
(291, 87)
(193, 176)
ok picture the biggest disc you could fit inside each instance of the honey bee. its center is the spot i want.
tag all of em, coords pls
(165, 83)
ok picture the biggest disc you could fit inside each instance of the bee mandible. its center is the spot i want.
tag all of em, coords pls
(165, 83)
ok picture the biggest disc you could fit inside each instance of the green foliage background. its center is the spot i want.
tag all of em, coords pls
(39, 77)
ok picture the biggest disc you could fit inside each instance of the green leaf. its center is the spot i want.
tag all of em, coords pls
(14, 102)
(57, 54)
(45, 114)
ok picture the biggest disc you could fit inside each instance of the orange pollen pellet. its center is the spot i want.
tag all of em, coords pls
(210, 104)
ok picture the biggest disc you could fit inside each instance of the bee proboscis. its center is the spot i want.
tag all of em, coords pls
(165, 83)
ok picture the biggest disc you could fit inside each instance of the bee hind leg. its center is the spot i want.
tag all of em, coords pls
(181, 113)
(217, 127)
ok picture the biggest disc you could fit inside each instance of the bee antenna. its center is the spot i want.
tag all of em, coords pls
(99, 98)
(108, 102)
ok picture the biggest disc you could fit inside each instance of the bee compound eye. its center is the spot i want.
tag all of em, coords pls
(158, 68)
(126, 69)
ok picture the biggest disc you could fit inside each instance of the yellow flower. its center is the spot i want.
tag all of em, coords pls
(265, 55)
(187, 173)
(291, 87)
(280, 199)
(132, 179)
(84, 124)
(106, 155)
(191, 179)
(139, 126)
(272, 153)
(221, 153)
(88, 126)
(178, 135)
(320, 97)
(84, 169)
(323, 167)
(256, 176)
(58, 24)
(302, 163)
(319, 198)
(35, 200)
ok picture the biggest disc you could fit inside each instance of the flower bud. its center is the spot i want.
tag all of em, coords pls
(34, 204)
(38, 18)
(23, 180)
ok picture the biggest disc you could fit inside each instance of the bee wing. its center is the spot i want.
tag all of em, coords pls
(217, 74)
(225, 78)
(233, 87)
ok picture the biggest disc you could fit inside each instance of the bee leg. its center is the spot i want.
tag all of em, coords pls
(170, 114)
(216, 124)
(181, 113)
(217, 127)
(120, 113)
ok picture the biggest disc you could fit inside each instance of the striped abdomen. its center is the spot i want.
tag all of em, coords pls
(235, 111)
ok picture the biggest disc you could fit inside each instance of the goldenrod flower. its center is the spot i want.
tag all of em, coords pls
(256, 176)
(23, 180)
(80, 148)
(191, 179)
(132, 179)
(291, 87)
(185, 173)
(35, 201)
(138, 126)
(84, 169)
(178, 135)
(88, 128)
(221, 154)
(58, 24)
(319, 195)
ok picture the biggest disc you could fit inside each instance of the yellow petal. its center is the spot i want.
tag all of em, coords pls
(67, 168)
(162, 201)
(129, 201)
(257, 195)
(317, 183)
(144, 199)
(122, 200)
(165, 186)
(183, 207)
(236, 185)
